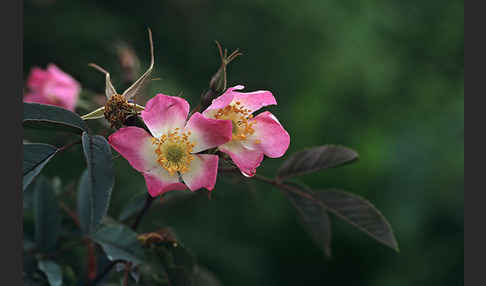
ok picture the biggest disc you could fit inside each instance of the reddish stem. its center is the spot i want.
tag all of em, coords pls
(91, 260)
(70, 213)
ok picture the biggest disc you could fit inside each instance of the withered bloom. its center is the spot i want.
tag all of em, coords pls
(117, 107)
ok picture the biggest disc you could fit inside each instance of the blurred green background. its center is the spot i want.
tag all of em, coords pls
(385, 78)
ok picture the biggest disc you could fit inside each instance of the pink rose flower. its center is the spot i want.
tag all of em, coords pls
(171, 151)
(252, 137)
(52, 86)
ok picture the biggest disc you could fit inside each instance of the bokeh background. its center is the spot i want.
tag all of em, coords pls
(385, 78)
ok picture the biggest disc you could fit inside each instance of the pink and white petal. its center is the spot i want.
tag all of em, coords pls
(60, 76)
(159, 181)
(274, 140)
(202, 172)
(135, 145)
(208, 133)
(36, 78)
(164, 113)
(245, 159)
(67, 95)
(222, 101)
(254, 100)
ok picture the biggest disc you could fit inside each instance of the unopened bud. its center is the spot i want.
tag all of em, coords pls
(218, 82)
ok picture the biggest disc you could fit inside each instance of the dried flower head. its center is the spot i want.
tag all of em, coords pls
(118, 107)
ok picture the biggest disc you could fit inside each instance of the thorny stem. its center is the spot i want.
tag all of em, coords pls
(127, 271)
(91, 259)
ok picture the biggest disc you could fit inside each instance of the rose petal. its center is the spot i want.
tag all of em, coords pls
(66, 96)
(254, 100)
(207, 133)
(62, 87)
(164, 113)
(60, 76)
(159, 181)
(273, 139)
(202, 172)
(38, 98)
(36, 78)
(135, 145)
(222, 101)
(245, 159)
(57, 87)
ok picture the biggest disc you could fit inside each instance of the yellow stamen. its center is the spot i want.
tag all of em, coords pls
(239, 116)
(174, 151)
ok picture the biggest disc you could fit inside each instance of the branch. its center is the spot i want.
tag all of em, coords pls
(269, 181)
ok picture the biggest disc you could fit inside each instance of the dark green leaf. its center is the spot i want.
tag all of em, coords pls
(360, 213)
(96, 182)
(47, 216)
(85, 203)
(28, 198)
(52, 117)
(36, 156)
(119, 243)
(134, 205)
(313, 216)
(52, 271)
(315, 159)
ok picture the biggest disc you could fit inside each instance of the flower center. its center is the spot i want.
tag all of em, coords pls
(174, 151)
(239, 116)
